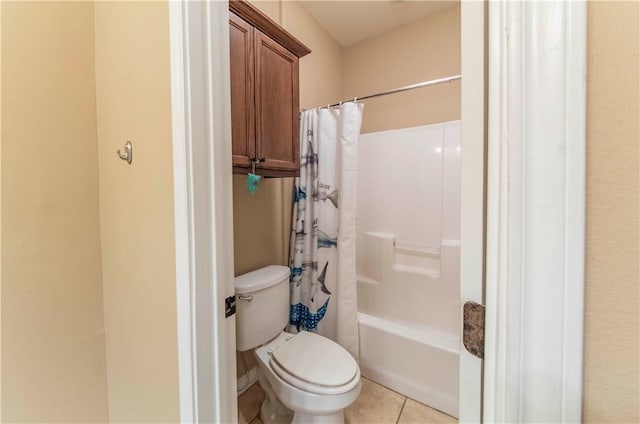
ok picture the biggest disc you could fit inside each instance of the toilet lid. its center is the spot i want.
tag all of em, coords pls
(316, 361)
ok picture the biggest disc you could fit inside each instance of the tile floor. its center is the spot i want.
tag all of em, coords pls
(375, 405)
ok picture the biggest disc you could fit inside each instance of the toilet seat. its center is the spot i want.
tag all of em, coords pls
(315, 364)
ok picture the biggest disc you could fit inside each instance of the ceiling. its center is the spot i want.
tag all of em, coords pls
(351, 21)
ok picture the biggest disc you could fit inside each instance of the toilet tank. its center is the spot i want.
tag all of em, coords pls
(262, 305)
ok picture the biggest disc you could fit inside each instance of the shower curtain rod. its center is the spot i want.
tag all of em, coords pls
(401, 89)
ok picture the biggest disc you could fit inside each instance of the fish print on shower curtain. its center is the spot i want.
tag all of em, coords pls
(322, 256)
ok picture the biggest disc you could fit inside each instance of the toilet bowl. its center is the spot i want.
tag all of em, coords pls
(307, 378)
(311, 375)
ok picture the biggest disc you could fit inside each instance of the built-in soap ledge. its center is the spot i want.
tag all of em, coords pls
(364, 279)
(380, 253)
(417, 259)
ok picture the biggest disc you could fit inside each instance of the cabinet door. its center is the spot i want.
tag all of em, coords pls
(277, 114)
(241, 40)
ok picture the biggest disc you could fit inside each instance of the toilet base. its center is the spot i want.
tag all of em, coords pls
(302, 418)
(272, 410)
(269, 414)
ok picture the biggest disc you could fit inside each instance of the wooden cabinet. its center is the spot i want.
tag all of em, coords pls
(242, 91)
(264, 93)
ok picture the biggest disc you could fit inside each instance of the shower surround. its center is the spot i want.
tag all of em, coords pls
(408, 250)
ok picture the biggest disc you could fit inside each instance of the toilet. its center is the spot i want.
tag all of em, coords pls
(307, 378)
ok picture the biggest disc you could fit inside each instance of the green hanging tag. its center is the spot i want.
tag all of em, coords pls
(252, 182)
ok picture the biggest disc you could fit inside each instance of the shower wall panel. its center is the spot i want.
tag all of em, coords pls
(408, 230)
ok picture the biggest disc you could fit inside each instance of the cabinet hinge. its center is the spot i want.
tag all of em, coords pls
(229, 306)
(473, 330)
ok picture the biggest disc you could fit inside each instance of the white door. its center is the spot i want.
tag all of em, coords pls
(472, 219)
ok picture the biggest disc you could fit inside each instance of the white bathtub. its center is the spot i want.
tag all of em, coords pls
(410, 361)
(408, 320)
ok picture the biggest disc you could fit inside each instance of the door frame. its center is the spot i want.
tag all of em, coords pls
(201, 121)
(535, 211)
(534, 216)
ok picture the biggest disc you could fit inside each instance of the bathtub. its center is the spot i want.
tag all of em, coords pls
(408, 319)
(410, 361)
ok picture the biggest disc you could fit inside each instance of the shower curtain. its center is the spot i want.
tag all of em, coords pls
(323, 237)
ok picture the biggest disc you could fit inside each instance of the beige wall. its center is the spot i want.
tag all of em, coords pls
(321, 70)
(136, 205)
(271, 8)
(611, 372)
(258, 224)
(426, 49)
(262, 221)
(53, 353)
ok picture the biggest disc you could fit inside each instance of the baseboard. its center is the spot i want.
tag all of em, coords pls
(253, 378)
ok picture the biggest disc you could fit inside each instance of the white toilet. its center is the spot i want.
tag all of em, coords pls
(306, 377)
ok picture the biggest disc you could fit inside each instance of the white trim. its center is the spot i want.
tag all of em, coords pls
(1, 207)
(186, 364)
(203, 209)
(535, 212)
(472, 195)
